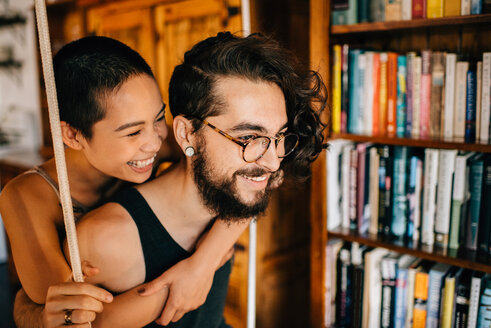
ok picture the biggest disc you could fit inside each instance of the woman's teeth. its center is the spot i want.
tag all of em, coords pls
(141, 164)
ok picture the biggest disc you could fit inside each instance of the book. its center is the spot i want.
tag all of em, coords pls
(409, 93)
(484, 312)
(362, 177)
(451, 8)
(363, 11)
(429, 196)
(416, 95)
(377, 10)
(435, 283)
(344, 88)
(406, 9)
(485, 97)
(476, 170)
(385, 174)
(437, 92)
(414, 197)
(476, 7)
(484, 238)
(393, 10)
(401, 292)
(368, 94)
(421, 294)
(411, 274)
(470, 107)
(459, 198)
(418, 9)
(462, 297)
(474, 298)
(465, 7)
(383, 94)
(448, 296)
(343, 287)
(353, 189)
(401, 96)
(372, 288)
(357, 252)
(448, 111)
(460, 99)
(424, 116)
(343, 15)
(399, 216)
(391, 93)
(332, 249)
(354, 85)
(336, 89)
(346, 186)
(376, 94)
(478, 100)
(374, 190)
(434, 8)
(334, 178)
(388, 267)
(444, 196)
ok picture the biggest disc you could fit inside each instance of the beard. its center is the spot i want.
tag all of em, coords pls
(222, 197)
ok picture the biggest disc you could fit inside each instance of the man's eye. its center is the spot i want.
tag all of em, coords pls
(246, 138)
(134, 133)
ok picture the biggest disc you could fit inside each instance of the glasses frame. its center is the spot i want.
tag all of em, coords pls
(244, 144)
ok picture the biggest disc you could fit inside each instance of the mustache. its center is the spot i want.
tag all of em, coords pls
(254, 172)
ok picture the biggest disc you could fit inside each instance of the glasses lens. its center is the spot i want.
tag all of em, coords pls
(256, 148)
(286, 145)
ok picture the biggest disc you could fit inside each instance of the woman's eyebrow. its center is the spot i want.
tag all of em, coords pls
(160, 111)
(129, 125)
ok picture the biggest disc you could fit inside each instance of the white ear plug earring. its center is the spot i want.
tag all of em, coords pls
(189, 151)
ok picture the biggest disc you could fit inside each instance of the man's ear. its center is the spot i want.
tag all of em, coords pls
(71, 136)
(183, 132)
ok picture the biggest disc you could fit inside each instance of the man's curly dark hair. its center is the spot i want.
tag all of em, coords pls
(257, 58)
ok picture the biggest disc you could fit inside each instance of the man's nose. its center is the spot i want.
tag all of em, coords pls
(270, 159)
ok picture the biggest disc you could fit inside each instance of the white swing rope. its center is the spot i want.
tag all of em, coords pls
(54, 121)
(251, 267)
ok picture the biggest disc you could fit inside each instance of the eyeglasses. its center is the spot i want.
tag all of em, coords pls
(256, 146)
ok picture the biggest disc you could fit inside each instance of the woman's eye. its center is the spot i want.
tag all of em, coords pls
(160, 118)
(134, 133)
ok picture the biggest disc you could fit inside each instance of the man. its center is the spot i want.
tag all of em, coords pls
(242, 111)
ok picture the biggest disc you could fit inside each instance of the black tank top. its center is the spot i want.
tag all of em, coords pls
(161, 252)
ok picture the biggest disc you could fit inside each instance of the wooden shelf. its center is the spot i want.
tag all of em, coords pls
(427, 143)
(461, 258)
(409, 24)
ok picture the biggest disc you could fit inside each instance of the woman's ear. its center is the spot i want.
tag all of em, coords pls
(183, 132)
(71, 136)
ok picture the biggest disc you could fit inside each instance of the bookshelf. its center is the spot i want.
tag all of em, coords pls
(461, 34)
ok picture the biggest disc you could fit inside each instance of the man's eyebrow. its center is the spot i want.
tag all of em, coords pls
(253, 127)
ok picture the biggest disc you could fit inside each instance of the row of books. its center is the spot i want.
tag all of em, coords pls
(360, 11)
(373, 287)
(428, 196)
(433, 94)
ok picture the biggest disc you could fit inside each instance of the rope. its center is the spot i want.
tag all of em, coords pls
(54, 121)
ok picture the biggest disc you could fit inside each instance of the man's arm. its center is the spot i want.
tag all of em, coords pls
(27, 314)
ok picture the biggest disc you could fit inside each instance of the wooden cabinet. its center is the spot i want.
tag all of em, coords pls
(461, 34)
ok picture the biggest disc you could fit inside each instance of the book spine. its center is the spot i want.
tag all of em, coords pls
(353, 79)
(485, 212)
(391, 93)
(363, 11)
(484, 317)
(406, 9)
(470, 108)
(437, 97)
(450, 62)
(345, 177)
(416, 94)
(411, 275)
(434, 9)
(465, 7)
(417, 206)
(448, 303)
(409, 93)
(420, 299)
(474, 301)
(388, 294)
(460, 99)
(451, 8)
(368, 89)
(344, 88)
(458, 195)
(336, 89)
(385, 181)
(377, 10)
(444, 195)
(411, 196)
(476, 7)
(425, 94)
(393, 10)
(401, 96)
(376, 94)
(400, 299)
(399, 221)
(478, 99)
(419, 9)
(475, 188)
(374, 181)
(485, 96)
(352, 192)
(360, 188)
(360, 93)
(383, 94)
(433, 313)
(429, 197)
(343, 293)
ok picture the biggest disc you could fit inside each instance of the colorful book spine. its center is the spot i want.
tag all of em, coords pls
(376, 94)
(409, 93)
(484, 312)
(377, 11)
(476, 171)
(374, 190)
(344, 288)
(360, 93)
(460, 99)
(352, 189)
(434, 9)
(400, 304)
(462, 297)
(484, 240)
(388, 267)
(444, 196)
(451, 8)
(406, 10)
(478, 99)
(448, 112)
(343, 15)
(424, 117)
(437, 95)
(419, 9)
(344, 88)
(336, 89)
(393, 10)
(429, 196)
(391, 93)
(474, 299)
(368, 94)
(363, 221)
(435, 283)
(354, 99)
(383, 94)
(420, 298)
(416, 95)
(385, 186)
(476, 7)
(399, 216)
(414, 197)
(401, 96)
(485, 97)
(465, 7)
(470, 108)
